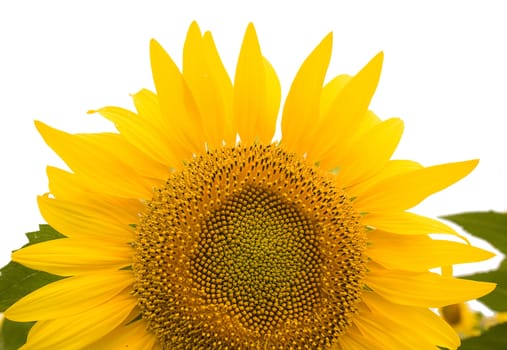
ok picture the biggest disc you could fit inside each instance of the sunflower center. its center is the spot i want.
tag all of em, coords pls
(452, 314)
(249, 248)
(259, 254)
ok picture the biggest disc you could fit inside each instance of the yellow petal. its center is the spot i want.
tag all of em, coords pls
(89, 156)
(392, 168)
(347, 111)
(330, 92)
(424, 289)
(405, 223)
(384, 339)
(256, 93)
(66, 186)
(85, 222)
(179, 111)
(328, 160)
(142, 134)
(70, 296)
(200, 59)
(143, 165)
(148, 109)
(406, 190)
(371, 153)
(419, 252)
(131, 336)
(149, 112)
(68, 256)
(353, 339)
(267, 125)
(302, 105)
(430, 331)
(77, 332)
(224, 91)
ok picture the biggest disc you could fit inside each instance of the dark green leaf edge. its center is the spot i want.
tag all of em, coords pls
(17, 332)
(16, 281)
(493, 339)
(492, 227)
(496, 300)
(489, 225)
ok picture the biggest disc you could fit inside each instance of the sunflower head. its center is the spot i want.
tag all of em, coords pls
(194, 226)
(465, 321)
(253, 237)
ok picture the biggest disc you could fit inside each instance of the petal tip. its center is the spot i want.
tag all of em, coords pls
(250, 27)
(38, 124)
(250, 35)
(42, 128)
(194, 29)
(325, 47)
(376, 63)
(155, 47)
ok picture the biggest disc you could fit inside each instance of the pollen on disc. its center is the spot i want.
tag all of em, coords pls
(249, 248)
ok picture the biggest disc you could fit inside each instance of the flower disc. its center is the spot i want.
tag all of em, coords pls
(249, 248)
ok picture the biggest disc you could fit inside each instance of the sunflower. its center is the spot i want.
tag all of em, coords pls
(191, 228)
(468, 322)
(465, 321)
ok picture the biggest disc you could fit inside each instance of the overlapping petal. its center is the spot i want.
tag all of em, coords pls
(380, 323)
(424, 289)
(70, 188)
(70, 296)
(210, 85)
(256, 93)
(302, 105)
(180, 116)
(102, 160)
(374, 330)
(431, 330)
(141, 133)
(366, 158)
(69, 256)
(391, 169)
(130, 336)
(420, 252)
(84, 221)
(346, 114)
(404, 191)
(78, 331)
(405, 223)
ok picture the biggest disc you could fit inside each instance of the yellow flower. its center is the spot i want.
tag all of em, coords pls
(494, 320)
(469, 323)
(190, 229)
(465, 321)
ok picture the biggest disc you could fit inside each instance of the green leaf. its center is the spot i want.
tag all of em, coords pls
(492, 227)
(493, 339)
(496, 300)
(16, 281)
(45, 233)
(17, 332)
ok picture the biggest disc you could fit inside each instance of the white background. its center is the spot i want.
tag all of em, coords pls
(444, 73)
